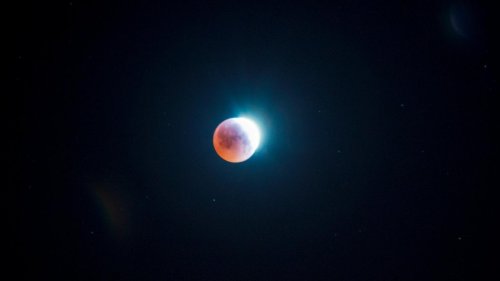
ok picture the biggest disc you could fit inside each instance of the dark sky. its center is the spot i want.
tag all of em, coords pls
(375, 164)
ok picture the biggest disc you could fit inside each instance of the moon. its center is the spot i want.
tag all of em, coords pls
(236, 139)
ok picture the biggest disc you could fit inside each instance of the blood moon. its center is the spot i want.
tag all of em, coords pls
(236, 139)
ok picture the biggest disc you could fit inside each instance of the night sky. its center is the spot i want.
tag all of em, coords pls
(376, 161)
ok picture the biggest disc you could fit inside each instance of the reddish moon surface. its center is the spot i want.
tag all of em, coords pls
(236, 139)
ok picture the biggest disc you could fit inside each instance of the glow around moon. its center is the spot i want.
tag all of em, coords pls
(236, 139)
